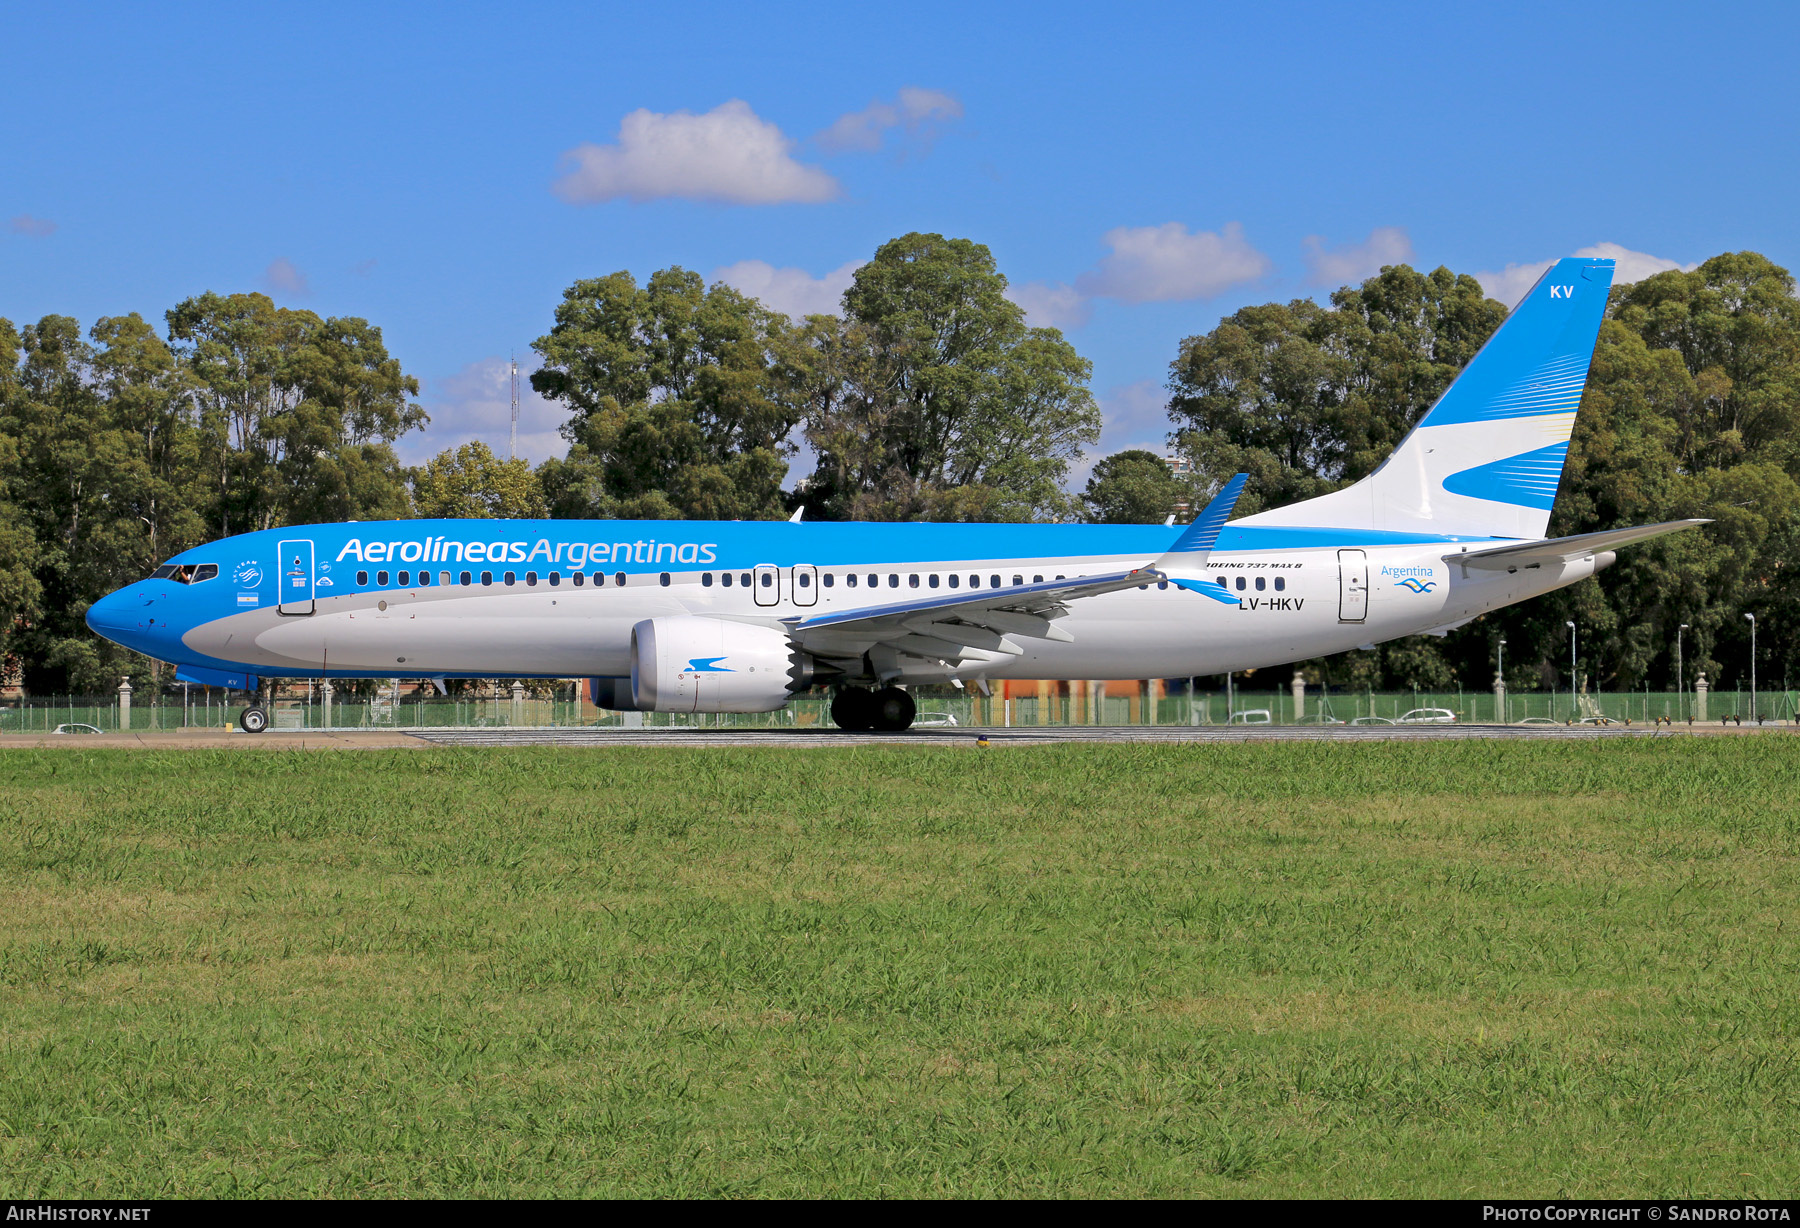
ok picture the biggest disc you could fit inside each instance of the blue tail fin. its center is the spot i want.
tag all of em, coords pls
(1486, 460)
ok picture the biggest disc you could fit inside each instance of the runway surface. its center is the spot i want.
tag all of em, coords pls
(1030, 736)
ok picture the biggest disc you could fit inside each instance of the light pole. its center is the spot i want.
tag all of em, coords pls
(1500, 675)
(1571, 627)
(1680, 682)
(1752, 619)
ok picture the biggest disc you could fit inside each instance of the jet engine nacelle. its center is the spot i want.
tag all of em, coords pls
(690, 664)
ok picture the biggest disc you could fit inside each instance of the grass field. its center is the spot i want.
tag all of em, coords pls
(1455, 969)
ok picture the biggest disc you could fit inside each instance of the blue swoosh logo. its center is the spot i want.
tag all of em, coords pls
(708, 665)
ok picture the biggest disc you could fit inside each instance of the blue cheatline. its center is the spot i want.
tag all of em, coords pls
(1528, 479)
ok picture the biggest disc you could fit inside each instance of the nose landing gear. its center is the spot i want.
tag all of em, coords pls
(888, 710)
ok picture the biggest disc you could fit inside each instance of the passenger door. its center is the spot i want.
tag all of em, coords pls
(767, 584)
(1353, 586)
(805, 582)
(294, 576)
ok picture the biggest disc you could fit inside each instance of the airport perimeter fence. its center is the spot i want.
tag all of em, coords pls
(937, 706)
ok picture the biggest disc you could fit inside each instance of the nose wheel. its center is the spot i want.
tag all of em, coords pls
(888, 710)
(253, 719)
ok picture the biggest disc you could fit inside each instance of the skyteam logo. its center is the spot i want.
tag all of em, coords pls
(248, 574)
(1413, 579)
(708, 665)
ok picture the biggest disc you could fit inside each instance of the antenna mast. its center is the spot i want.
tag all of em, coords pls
(515, 409)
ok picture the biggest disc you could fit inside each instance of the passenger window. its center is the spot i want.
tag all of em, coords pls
(1261, 584)
(974, 581)
(912, 581)
(362, 577)
(725, 579)
(619, 578)
(706, 579)
(850, 579)
(828, 580)
(555, 578)
(1222, 583)
(955, 581)
(768, 579)
(443, 577)
(805, 580)
(381, 578)
(744, 578)
(1037, 579)
(1018, 579)
(665, 579)
(1280, 584)
(934, 579)
(487, 577)
(1240, 584)
(993, 581)
(579, 579)
(467, 579)
(1062, 577)
(531, 579)
(424, 579)
(406, 579)
(893, 580)
(509, 579)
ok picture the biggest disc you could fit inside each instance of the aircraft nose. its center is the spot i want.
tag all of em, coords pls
(113, 613)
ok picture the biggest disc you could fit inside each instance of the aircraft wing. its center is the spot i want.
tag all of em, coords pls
(1565, 549)
(980, 624)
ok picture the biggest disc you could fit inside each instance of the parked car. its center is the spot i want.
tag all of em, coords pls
(1537, 720)
(1371, 720)
(926, 719)
(1428, 716)
(78, 727)
(1250, 716)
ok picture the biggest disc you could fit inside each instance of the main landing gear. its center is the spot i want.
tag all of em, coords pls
(888, 710)
(253, 719)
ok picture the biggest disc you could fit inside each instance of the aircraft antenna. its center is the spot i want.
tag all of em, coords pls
(514, 442)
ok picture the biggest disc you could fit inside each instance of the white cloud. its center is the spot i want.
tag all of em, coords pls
(476, 403)
(281, 277)
(726, 156)
(793, 292)
(35, 227)
(1153, 264)
(1340, 266)
(1510, 284)
(1051, 304)
(916, 110)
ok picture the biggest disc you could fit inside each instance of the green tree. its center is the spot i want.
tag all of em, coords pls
(932, 399)
(297, 414)
(1306, 398)
(472, 482)
(683, 399)
(1132, 487)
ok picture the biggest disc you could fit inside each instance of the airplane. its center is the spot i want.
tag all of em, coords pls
(741, 616)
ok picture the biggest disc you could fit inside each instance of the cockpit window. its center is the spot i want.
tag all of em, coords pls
(187, 573)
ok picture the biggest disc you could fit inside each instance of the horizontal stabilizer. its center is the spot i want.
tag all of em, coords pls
(1565, 549)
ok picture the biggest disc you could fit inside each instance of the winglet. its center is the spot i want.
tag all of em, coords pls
(1196, 541)
(798, 512)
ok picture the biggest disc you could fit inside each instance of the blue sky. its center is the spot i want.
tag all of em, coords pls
(1138, 170)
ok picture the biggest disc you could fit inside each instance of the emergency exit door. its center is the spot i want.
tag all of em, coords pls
(768, 584)
(1353, 586)
(294, 572)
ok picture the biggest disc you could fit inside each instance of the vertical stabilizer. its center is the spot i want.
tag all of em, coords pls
(1486, 460)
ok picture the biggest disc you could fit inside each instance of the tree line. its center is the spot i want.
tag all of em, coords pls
(927, 397)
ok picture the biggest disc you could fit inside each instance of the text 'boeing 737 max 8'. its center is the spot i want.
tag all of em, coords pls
(709, 616)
